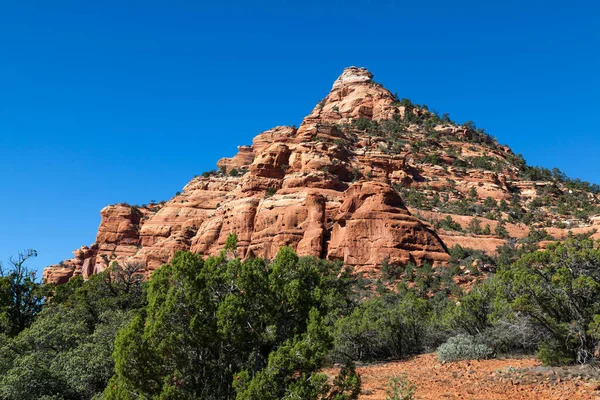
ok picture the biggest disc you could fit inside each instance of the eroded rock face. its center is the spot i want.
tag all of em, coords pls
(297, 191)
(323, 188)
(372, 224)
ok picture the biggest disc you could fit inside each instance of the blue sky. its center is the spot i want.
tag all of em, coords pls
(103, 102)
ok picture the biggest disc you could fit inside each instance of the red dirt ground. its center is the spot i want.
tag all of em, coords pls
(499, 379)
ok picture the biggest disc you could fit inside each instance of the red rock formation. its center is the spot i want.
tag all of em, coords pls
(327, 188)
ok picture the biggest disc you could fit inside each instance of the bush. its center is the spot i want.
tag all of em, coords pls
(550, 352)
(516, 335)
(400, 388)
(475, 226)
(463, 347)
(391, 271)
(449, 224)
(270, 192)
(559, 290)
(500, 230)
(390, 326)
(483, 162)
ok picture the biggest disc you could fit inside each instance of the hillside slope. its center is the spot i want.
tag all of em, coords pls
(366, 177)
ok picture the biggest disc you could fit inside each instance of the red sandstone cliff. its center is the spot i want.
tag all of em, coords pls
(327, 188)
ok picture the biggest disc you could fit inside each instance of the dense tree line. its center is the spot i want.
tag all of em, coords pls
(225, 328)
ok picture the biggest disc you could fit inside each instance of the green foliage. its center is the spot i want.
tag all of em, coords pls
(400, 388)
(221, 329)
(500, 230)
(559, 289)
(489, 203)
(389, 326)
(545, 300)
(366, 125)
(390, 271)
(483, 162)
(66, 352)
(463, 347)
(231, 244)
(270, 192)
(536, 173)
(432, 158)
(472, 313)
(475, 226)
(466, 256)
(414, 198)
(449, 224)
(21, 295)
(473, 194)
(486, 230)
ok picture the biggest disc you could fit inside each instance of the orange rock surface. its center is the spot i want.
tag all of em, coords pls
(323, 188)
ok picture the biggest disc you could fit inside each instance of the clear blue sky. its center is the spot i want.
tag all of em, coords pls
(110, 101)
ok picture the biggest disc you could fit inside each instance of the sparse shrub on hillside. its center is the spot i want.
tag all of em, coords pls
(432, 158)
(463, 347)
(466, 256)
(469, 125)
(537, 235)
(501, 231)
(393, 128)
(400, 388)
(475, 226)
(473, 194)
(459, 162)
(413, 198)
(503, 205)
(449, 224)
(435, 200)
(356, 175)
(486, 230)
(490, 204)
(483, 162)
(535, 173)
(270, 192)
(367, 125)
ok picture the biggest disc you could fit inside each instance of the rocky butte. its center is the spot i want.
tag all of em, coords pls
(366, 177)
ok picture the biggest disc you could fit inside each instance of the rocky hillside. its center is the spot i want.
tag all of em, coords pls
(366, 178)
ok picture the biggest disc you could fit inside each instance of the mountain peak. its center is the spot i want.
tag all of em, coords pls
(343, 186)
(353, 75)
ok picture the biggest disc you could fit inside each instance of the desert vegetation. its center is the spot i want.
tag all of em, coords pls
(221, 327)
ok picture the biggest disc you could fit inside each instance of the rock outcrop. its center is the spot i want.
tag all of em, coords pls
(331, 188)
